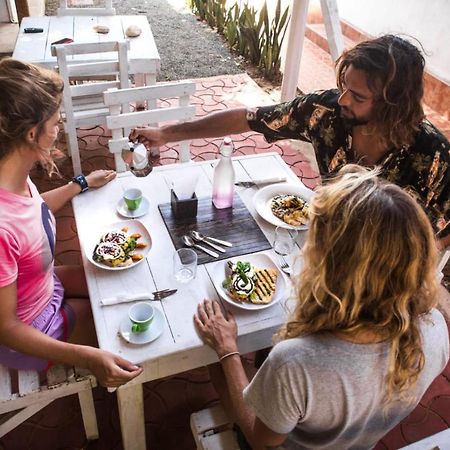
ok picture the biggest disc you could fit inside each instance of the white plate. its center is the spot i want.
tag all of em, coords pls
(134, 226)
(260, 260)
(155, 330)
(263, 197)
(123, 210)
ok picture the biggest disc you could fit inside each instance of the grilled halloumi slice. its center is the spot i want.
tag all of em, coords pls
(266, 280)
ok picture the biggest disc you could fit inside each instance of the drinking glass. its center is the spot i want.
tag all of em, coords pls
(284, 241)
(184, 265)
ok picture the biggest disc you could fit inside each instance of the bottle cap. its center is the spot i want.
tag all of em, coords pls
(226, 149)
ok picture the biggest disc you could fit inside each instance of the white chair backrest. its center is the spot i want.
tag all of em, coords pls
(32, 396)
(83, 103)
(120, 121)
(81, 8)
(443, 259)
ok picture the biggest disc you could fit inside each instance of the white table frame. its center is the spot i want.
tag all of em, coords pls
(144, 60)
(179, 348)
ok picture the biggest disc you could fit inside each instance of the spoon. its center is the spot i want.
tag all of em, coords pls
(187, 240)
(200, 238)
(208, 239)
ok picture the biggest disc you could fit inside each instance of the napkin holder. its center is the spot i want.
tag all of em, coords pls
(183, 209)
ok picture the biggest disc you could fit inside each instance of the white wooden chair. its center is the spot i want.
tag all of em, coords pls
(83, 103)
(443, 259)
(33, 396)
(121, 121)
(66, 10)
(212, 429)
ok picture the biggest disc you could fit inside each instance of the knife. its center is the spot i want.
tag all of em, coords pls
(254, 183)
(133, 298)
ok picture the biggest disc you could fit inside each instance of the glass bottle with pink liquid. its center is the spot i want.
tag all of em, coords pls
(223, 182)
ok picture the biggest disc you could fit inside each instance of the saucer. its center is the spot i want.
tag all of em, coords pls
(123, 210)
(155, 330)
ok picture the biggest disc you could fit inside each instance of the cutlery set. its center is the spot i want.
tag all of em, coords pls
(195, 236)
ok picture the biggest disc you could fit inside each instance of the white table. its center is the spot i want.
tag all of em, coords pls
(179, 348)
(35, 48)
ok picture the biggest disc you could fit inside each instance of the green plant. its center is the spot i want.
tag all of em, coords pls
(199, 7)
(254, 38)
(272, 40)
(250, 32)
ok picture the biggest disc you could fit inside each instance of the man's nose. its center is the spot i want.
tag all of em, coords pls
(344, 98)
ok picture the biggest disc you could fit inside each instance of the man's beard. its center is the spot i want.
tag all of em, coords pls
(353, 121)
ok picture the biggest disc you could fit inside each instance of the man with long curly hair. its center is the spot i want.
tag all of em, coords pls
(364, 340)
(374, 118)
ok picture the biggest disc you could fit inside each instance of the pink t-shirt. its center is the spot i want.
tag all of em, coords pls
(27, 248)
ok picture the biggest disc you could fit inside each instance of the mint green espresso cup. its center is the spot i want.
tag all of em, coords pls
(132, 198)
(141, 316)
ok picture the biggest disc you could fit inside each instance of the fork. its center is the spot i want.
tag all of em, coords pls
(285, 267)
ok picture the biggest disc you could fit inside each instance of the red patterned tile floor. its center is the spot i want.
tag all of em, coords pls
(169, 402)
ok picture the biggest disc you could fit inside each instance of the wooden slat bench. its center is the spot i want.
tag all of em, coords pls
(212, 431)
(30, 395)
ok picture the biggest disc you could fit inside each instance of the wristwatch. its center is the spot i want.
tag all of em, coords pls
(81, 180)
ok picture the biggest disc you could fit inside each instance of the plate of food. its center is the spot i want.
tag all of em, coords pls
(284, 205)
(120, 246)
(249, 282)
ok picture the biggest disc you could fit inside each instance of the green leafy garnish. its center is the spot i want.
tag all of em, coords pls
(226, 283)
(242, 268)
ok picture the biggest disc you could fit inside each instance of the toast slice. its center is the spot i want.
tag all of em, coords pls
(266, 280)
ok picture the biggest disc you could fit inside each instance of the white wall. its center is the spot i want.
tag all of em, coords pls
(4, 14)
(426, 20)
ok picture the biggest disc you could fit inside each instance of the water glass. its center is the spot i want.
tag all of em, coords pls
(184, 265)
(284, 241)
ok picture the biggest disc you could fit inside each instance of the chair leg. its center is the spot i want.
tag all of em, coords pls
(74, 152)
(185, 152)
(88, 412)
(15, 420)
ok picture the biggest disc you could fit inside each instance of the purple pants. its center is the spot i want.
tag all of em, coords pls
(56, 320)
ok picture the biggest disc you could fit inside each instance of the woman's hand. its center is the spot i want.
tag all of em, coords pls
(99, 178)
(216, 330)
(109, 369)
(150, 137)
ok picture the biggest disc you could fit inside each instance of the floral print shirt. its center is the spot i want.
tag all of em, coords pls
(422, 168)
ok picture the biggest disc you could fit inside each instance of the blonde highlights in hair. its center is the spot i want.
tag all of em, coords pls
(30, 96)
(369, 266)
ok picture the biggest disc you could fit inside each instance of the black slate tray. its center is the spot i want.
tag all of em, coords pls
(235, 225)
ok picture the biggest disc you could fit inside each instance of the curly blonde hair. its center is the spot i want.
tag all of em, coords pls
(369, 266)
(30, 96)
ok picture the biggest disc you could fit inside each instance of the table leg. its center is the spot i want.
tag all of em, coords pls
(131, 411)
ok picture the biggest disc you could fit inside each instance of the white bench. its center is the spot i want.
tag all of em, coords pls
(212, 430)
(32, 396)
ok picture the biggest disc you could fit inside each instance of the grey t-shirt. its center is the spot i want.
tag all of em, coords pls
(327, 393)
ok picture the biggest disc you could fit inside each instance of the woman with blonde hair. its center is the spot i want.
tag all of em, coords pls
(45, 315)
(364, 341)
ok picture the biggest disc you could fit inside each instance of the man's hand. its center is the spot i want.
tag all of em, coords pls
(99, 178)
(150, 137)
(109, 369)
(216, 330)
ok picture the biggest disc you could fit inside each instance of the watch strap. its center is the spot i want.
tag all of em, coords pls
(81, 180)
